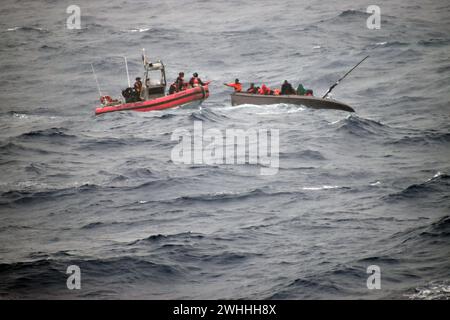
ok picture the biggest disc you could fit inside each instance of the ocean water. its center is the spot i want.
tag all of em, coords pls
(102, 193)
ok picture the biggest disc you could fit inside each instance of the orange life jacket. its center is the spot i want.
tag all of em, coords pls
(265, 89)
(237, 86)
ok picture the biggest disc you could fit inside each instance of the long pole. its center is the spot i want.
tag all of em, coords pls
(342, 78)
(96, 80)
(128, 75)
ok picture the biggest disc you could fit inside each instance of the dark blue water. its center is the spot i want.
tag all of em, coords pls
(371, 188)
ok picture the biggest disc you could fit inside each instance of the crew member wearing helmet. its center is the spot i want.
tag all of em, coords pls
(196, 81)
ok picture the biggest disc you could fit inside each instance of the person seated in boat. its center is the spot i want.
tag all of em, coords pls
(286, 88)
(264, 90)
(138, 88)
(252, 89)
(301, 91)
(236, 85)
(309, 92)
(180, 84)
(196, 81)
(173, 88)
(276, 92)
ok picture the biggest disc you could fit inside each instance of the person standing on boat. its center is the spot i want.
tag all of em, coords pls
(180, 82)
(236, 85)
(138, 88)
(287, 88)
(196, 81)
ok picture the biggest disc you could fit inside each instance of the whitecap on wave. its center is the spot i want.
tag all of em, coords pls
(432, 291)
(321, 188)
(138, 30)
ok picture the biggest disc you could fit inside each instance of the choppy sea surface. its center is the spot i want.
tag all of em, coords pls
(102, 193)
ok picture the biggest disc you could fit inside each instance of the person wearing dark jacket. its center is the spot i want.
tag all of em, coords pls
(137, 89)
(252, 89)
(173, 88)
(286, 88)
(179, 83)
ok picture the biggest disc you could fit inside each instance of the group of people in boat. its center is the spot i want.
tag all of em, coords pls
(136, 93)
(286, 89)
(180, 84)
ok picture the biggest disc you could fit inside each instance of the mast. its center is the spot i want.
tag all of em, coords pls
(96, 80)
(128, 74)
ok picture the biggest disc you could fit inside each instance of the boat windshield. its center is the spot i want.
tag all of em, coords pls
(156, 78)
(156, 74)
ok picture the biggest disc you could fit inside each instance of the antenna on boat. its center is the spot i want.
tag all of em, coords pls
(128, 74)
(145, 63)
(342, 78)
(144, 58)
(96, 80)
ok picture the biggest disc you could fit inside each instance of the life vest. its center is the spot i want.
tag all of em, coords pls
(106, 100)
(138, 86)
(179, 83)
(195, 82)
(265, 89)
(276, 92)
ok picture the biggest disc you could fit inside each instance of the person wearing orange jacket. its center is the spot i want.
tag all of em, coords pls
(265, 90)
(236, 85)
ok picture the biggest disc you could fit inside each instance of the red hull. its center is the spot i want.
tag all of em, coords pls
(170, 101)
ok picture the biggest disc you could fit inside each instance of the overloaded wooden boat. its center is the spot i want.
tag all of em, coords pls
(239, 98)
(309, 101)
